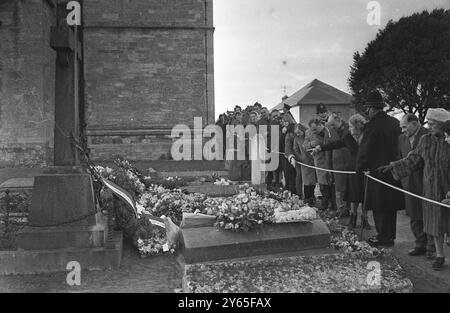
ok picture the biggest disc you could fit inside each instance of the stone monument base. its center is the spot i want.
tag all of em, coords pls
(56, 260)
(61, 237)
(63, 226)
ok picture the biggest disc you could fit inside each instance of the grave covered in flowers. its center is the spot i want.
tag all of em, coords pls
(255, 220)
(240, 213)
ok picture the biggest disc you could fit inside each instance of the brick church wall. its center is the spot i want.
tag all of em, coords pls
(148, 67)
(27, 66)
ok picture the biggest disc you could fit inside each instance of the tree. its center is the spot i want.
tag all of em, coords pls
(408, 62)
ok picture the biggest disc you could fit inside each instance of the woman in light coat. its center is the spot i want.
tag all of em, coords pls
(305, 176)
(432, 154)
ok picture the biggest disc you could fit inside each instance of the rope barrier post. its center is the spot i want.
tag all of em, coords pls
(111, 224)
(366, 187)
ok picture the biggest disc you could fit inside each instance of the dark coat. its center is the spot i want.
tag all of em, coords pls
(413, 182)
(354, 184)
(379, 147)
(289, 171)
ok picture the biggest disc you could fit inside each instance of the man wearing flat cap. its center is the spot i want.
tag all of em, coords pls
(379, 147)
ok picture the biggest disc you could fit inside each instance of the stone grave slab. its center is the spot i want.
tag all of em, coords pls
(209, 243)
(322, 273)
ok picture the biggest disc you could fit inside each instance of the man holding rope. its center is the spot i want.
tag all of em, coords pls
(412, 132)
(432, 154)
(379, 147)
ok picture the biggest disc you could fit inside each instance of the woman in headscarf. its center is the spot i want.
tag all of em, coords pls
(432, 154)
(354, 191)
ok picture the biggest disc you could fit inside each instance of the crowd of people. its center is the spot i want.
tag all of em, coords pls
(380, 151)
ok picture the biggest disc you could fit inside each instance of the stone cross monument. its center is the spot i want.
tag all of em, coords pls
(63, 217)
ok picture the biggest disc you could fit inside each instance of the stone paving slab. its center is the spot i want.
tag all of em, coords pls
(334, 273)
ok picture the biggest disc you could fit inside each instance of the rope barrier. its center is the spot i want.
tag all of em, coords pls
(318, 168)
(373, 178)
(409, 193)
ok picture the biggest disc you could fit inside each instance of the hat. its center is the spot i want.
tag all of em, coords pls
(375, 100)
(440, 115)
(321, 108)
(286, 106)
(288, 118)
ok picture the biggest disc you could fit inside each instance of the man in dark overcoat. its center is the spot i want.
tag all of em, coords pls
(378, 147)
(412, 131)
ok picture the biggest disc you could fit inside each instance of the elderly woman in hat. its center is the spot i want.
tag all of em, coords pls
(432, 154)
(354, 191)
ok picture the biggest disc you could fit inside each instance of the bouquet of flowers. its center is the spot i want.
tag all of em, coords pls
(124, 178)
(223, 182)
(159, 201)
(193, 202)
(243, 211)
(304, 214)
(155, 244)
(172, 183)
(347, 241)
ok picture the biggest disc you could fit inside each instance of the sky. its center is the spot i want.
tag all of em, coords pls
(264, 49)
